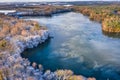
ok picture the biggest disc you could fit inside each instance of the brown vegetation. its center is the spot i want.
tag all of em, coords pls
(107, 15)
(3, 43)
(12, 27)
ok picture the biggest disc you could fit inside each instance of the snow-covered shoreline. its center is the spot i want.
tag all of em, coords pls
(15, 63)
(26, 34)
(30, 41)
(20, 69)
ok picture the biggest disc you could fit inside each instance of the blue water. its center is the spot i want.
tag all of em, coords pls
(79, 45)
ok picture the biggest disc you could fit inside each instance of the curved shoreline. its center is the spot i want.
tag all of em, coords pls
(14, 67)
(19, 68)
(32, 41)
(103, 14)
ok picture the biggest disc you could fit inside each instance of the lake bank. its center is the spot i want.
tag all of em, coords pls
(17, 35)
(88, 37)
(42, 10)
(83, 43)
(107, 15)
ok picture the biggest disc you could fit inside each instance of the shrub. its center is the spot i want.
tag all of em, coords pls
(6, 29)
(24, 33)
(37, 27)
(15, 31)
(1, 75)
(64, 74)
(3, 44)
